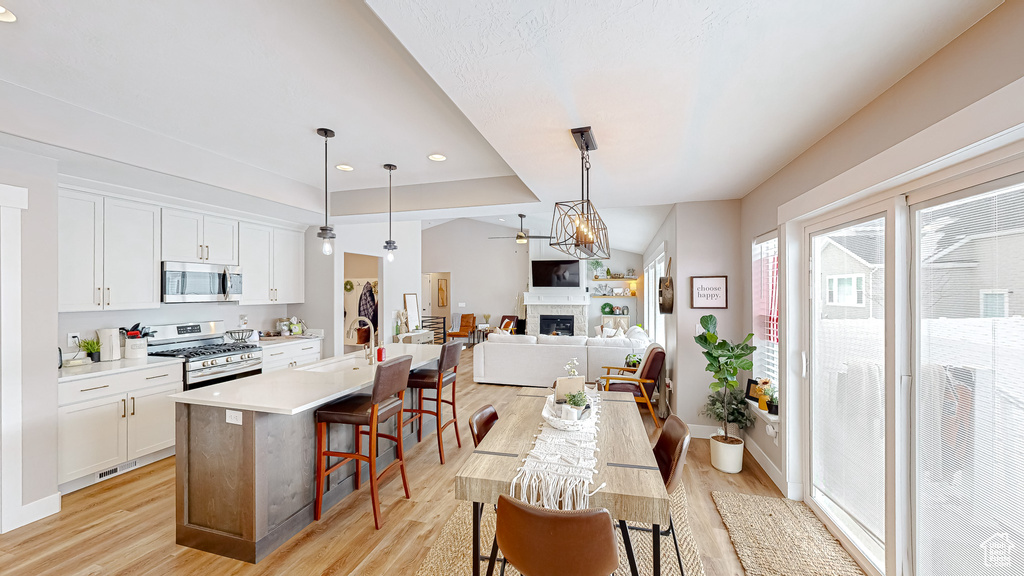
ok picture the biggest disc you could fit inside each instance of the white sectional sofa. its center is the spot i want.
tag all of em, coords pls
(523, 360)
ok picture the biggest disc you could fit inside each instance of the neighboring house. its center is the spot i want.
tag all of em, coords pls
(852, 277)
(975, 277)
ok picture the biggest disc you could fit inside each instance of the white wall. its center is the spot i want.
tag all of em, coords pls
(486, 275)
(39, 321)
(318, 307)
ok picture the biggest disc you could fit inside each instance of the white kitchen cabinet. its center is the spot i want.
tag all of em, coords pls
(194, 237)
(91, 436)
(79, 251)
(151, 419)
(131, 255)
(255, 255)
(273, 264)
(108, 253)
(290, 355)
(289, 266)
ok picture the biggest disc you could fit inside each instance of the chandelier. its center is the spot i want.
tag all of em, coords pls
(576, 227)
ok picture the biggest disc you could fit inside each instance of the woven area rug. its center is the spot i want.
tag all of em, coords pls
(775, 536)
(450, 553)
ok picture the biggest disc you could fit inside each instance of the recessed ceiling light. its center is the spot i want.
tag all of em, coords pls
(344, 167)
(501, 219)
(438, 157)
(6, 15)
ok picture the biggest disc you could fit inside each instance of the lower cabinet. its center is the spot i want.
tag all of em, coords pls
(102, 432)
(284, 356)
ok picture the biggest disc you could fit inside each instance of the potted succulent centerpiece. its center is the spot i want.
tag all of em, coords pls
(725, 360)
(91, 348)
(575, 402)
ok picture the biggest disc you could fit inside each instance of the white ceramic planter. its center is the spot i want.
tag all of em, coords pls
(727, 457)
(570, 412)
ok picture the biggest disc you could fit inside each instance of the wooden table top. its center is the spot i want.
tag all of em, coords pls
(633, 488)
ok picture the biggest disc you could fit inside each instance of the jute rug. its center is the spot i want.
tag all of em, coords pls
(450, 555)
(774, 536)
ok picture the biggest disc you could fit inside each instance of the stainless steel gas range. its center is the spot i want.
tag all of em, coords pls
(210, 357)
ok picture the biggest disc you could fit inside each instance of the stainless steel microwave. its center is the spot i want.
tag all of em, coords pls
(188, 282)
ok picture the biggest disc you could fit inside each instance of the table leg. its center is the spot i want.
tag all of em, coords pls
(656, 545)
(477, 510)
(629, 548)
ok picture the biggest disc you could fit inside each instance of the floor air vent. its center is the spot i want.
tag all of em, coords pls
(117, 469)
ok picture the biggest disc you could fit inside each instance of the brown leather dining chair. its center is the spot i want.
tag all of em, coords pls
(436, 379)
(640, 381)
(365, 410)
(467, 324)
(542, 542)
(670, 452)
(481, 422)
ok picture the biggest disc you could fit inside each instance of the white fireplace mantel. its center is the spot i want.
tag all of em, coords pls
(559, 298)
(559, 302)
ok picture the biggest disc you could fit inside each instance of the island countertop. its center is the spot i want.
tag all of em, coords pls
(299, 389)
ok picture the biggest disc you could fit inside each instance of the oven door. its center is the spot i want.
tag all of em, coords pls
(188, 282)
(215, 375)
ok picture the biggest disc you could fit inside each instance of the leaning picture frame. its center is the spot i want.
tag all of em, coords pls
(753, 389)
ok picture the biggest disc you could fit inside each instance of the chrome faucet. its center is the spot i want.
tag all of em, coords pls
(371, 358)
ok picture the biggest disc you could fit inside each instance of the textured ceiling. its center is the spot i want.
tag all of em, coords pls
(689, 100)
(230, 92)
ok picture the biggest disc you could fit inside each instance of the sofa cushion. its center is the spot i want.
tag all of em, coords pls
(512, 339)
(562, 340)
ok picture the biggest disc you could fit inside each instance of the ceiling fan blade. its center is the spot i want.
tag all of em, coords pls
(540, 237)
(501, 237)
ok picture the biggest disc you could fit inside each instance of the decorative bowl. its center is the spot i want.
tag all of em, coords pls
(552, 414)
(239, 335)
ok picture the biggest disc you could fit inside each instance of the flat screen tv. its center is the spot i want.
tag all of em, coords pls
(556, 273)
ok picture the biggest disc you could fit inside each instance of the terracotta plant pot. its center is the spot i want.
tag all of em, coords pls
(727, 456)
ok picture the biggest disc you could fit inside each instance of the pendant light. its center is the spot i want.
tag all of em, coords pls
(390, 245)
(576, 227)
(326, 231)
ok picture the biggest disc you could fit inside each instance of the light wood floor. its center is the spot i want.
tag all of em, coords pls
(126, 524)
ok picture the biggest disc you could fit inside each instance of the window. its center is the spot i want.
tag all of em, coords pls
(846, 290)
(765, 307)
(968, 410)
(995, 304)
(654, 321)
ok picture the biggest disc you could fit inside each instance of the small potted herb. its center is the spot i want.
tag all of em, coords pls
(575, 402)
(91, 348)
(595, 267)
(771, 390)
(632, 360)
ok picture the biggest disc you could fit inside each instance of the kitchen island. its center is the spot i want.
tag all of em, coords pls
(245, 468)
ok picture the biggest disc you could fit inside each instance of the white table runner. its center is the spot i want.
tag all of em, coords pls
(558, 472)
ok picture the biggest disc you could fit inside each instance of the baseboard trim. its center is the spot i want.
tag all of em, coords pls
(702, 431)
(768, 466)
(27, 513)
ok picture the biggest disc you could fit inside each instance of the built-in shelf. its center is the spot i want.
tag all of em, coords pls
(763, 414)
(630, 279)
(624, 296)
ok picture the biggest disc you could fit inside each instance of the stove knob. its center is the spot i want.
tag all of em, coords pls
(205, 363)
(213, 362)
(228, 359)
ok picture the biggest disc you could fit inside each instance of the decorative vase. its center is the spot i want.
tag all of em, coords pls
(762, 402)
(773, 408)
(727, 457)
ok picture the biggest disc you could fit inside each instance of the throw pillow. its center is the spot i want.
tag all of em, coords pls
(619, 334)
(608, 332)
(599, 330)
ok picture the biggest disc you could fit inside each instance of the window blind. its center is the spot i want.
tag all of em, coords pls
(847, 383)
(968, 485)
(765, 307)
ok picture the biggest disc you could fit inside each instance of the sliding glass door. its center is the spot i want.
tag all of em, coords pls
(968, 406)
(847, 381)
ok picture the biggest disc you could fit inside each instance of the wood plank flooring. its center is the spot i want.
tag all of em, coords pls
(126, 524)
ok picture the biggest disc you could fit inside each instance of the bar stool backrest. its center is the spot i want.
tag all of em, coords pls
(450, 354)
(391, 378)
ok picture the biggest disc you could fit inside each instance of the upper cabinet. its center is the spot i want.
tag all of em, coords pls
(272, 261)
(194, 237)
(109, 253)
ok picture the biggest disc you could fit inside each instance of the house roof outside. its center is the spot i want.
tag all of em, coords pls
(950, 227)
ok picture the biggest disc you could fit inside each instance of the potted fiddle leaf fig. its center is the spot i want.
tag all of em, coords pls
(725, 360)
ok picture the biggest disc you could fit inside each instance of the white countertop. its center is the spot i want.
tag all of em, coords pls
(72, 373)
(299, 389)
(271, 341)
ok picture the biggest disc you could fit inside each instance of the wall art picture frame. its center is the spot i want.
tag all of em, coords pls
(442, 293)
(709, 292)
(753, 390)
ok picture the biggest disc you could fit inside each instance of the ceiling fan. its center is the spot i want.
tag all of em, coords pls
(520, 236)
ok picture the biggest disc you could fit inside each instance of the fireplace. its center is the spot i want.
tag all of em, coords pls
(557, 325)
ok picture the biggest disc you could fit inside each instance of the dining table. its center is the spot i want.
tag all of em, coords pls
(633, 488)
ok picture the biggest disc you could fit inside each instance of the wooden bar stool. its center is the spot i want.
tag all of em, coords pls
(367, 410)
(436, 379)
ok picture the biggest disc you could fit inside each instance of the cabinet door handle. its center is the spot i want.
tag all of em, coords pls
(277, 353)
(99, 296)
(94, 388)
(108, 296)
(207, 251)
(308, 348)
(124, 408)
(155, 377)
(199, 250)
(133, 405)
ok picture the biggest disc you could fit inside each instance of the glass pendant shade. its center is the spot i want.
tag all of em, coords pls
(326, 232)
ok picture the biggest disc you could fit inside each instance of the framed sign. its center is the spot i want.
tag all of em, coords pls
(709, 291)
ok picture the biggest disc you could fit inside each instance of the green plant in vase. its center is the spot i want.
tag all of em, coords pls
(595, 267)
(91, 348)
